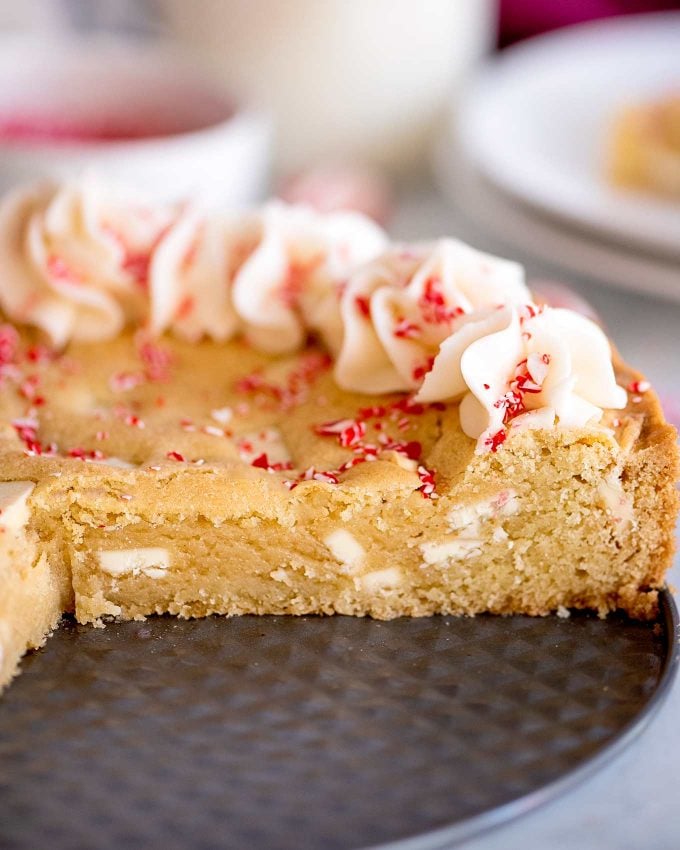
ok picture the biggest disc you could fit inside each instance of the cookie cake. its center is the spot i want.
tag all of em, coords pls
(281, 412)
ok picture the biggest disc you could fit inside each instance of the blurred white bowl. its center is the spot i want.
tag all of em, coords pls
(348, 80)
(136, 114)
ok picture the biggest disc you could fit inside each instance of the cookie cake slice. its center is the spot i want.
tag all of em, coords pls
(280, 412)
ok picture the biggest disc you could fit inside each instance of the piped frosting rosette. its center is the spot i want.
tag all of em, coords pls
(80, 262)
(451, 323)
(398, 310)
(524, 367)
(275, 275)
(75, 259)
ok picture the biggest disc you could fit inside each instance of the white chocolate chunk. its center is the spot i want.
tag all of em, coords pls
(153, 561)
(455, 549)
(471, 516)
(615, 499)
(118, 462)
(345, 548)
(223, 415)
(14, 511)
(381, 579)
(281, 575)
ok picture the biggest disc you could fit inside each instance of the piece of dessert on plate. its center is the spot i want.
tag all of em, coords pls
(282, 413)
(644, 148)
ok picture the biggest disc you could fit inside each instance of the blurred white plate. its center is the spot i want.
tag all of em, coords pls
(536, 121)
(517, 230)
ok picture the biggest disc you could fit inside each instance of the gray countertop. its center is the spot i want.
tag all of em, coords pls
(632, 802)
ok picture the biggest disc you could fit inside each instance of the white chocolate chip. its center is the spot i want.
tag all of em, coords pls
(155, 572)
(223, 415)
(499, 534)
(471, 516)
(615, 499)
(281, 575)
(153, 561)
(14, 511)
(456, 549)
(118, 462)
(345, 548)
(378, 580)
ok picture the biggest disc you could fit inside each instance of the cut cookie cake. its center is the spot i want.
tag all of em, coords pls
(280, 412)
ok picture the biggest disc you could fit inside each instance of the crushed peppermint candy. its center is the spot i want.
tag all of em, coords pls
(420, 371)
(263, 462)
(175, 456)
(157, 360)
(27, 431)
(293, 391)
(348, 431)
(433, 305)
(121, 382)
(496, 440)
(9, 343)
(133, 421)
(406, 329)
(529, 311)
(86, 454)
(530, 374)
(428, 483)
(363, 305)
(638, 386)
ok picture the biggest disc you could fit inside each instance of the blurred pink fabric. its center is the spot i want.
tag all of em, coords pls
(524, 18)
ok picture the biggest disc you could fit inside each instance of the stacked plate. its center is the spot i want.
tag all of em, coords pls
(525, 158)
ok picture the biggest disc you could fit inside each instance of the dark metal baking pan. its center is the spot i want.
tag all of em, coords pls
(334, 733)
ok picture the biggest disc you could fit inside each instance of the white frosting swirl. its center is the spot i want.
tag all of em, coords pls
(273, 276)
(75, 259)
(80, 262)
(398, 310)
(523, 368)
(191, 274)
(293, 279)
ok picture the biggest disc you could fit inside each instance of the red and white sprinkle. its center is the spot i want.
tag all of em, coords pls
(638, 387)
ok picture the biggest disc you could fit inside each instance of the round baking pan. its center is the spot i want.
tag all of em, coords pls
(344, 733)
